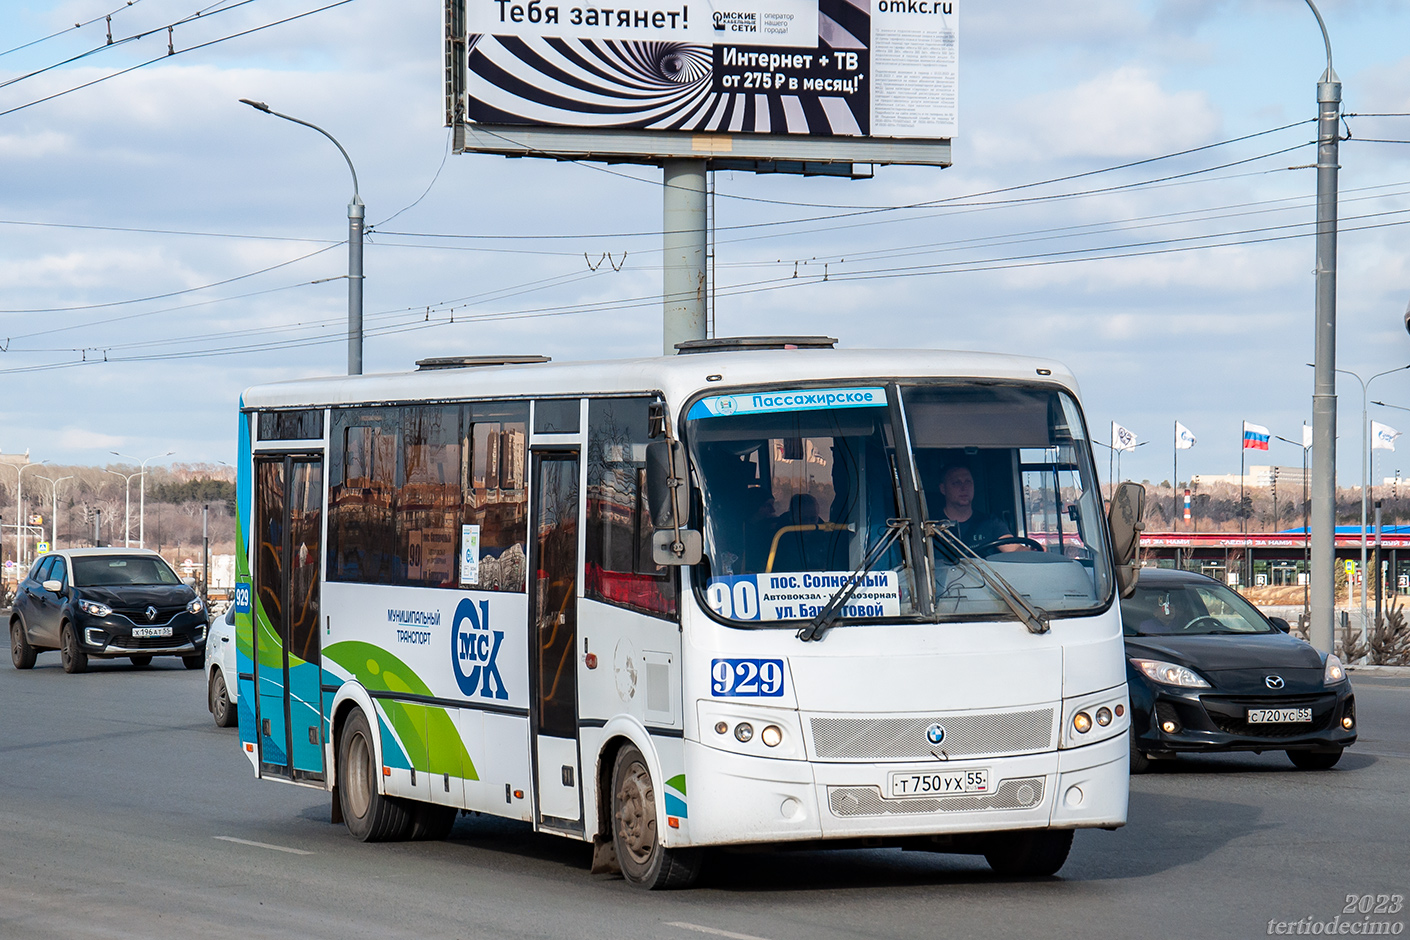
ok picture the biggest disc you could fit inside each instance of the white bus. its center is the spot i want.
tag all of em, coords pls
(751, 593)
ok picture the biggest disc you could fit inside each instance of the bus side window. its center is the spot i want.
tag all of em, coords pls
(619, 569)
(494, 485)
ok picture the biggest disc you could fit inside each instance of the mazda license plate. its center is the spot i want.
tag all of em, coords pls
(938, 782)
(1278, 716)
(151, 631)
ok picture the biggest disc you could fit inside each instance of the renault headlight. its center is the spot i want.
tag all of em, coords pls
(1334, 671)
(1170, 673)
(195, 607)
(95, 609)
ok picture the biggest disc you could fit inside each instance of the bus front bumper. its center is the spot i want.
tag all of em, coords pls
(743, 799)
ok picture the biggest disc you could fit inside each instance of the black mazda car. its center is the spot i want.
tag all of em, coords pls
(1208, 672)
(106, 603)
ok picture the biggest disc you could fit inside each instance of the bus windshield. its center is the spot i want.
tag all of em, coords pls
(799, 485)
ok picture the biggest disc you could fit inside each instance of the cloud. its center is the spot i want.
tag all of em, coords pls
(1124, 113)
(83, 439)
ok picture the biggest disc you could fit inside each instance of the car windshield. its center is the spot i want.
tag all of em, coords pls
(1191, 609)
(800, 485)
(120, 570)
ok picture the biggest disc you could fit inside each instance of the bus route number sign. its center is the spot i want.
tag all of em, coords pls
(746, 678)
(242, 598)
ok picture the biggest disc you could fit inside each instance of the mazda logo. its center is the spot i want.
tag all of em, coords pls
(935, 734)
(151, 613)
(1273, 682)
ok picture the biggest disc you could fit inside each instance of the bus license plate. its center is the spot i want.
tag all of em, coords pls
(1274, 716)
(151, 631)
(938, 783)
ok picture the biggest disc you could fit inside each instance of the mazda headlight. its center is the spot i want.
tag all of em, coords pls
(195, 607)
(1334, 671)
(1170, 674)
(95, 609)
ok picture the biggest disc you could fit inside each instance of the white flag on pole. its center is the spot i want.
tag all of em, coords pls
(1383, 436)
(1184, 437)
(1122, 438)
(1307, 435)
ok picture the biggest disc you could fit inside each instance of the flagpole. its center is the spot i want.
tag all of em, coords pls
(1243, 519)
(1175, 482)
(1111, 460)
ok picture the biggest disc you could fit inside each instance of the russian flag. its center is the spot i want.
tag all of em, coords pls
(1255, 437)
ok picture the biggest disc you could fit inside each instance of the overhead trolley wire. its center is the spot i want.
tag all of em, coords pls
(177, 52)
(68, 29)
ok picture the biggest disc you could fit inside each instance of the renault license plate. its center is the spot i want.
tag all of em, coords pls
(938, 782)
(151, 631)
(1278, 716)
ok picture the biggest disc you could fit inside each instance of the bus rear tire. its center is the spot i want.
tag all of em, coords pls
(370, 816)
(645, 862)
(1029, 853)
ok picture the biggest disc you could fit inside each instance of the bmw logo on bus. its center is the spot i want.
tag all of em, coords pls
(935, 734)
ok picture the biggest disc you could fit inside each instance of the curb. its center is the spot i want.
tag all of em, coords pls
(1387, 671)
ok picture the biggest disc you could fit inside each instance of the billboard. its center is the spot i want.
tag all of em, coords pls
(821, 80)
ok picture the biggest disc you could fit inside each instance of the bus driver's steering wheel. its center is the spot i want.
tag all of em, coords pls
(989, 548)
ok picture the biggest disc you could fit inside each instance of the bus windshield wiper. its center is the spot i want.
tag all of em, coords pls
(1030, 616)
(820, 624)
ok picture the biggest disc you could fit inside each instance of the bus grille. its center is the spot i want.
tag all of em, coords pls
(868, 801)
(899, 739)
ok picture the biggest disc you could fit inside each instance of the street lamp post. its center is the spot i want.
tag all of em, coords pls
(1324, 389)
(54, 508)
(127, 510)
(356, 214)
(1366, 472)
(142, 487)
(21, 525)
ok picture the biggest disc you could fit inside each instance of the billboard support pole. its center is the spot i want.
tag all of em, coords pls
(683, 259)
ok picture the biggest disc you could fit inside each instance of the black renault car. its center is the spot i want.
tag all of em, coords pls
(106, 603)
(1208, 672)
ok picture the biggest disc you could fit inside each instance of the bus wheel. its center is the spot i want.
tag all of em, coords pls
(1030, 853)
(369, 815)
(432, 823)
(646, 863)
(73, 656)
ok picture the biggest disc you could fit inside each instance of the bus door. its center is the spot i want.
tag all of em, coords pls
(287, 534)
(553, 631)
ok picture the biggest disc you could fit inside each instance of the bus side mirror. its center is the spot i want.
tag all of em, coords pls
(1128, 508)
(668, 502)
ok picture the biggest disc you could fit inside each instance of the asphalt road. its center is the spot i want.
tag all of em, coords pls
(119, 799)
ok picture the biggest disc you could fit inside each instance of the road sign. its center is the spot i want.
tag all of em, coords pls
(36, 519)
(42, 548)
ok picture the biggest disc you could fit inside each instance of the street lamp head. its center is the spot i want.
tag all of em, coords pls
(257, 105)
(1407, 318)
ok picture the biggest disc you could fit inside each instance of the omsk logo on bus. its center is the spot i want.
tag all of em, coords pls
(474, 650)
(935, 734)
(746, 678)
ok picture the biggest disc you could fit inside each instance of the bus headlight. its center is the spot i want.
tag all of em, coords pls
(1095, 717)
(744, 732)
(772, 736)
(751, 730)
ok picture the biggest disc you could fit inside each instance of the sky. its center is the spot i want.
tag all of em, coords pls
(1179, 289)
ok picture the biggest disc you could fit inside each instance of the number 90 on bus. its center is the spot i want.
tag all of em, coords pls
(746, 678)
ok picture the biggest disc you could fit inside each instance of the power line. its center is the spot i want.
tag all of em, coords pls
(176, 52)
(69, 29)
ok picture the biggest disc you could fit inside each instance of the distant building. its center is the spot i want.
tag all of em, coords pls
(1255, 477)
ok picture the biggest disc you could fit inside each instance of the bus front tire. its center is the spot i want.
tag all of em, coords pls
(21, 653)
(369, 815)
(645, 862)
(74, 658)
(1029, 853)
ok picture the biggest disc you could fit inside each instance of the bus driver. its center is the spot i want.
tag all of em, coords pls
(971, 527)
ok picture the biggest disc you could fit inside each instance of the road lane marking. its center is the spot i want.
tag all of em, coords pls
(264, 845)
(713, 931)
